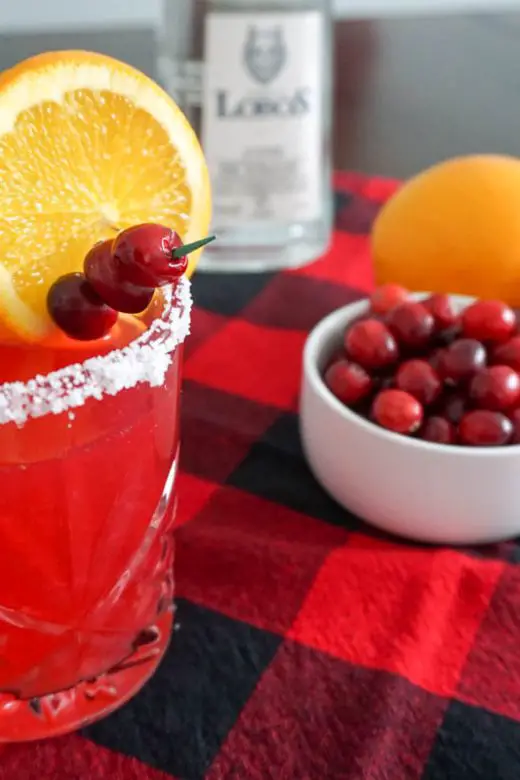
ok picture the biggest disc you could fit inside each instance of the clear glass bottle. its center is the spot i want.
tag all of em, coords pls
(254, 79)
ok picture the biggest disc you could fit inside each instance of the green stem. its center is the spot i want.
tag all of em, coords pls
(181, 251)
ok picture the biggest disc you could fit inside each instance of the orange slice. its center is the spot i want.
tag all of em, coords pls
(88, 147)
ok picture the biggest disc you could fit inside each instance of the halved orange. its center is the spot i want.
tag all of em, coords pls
(88, 147)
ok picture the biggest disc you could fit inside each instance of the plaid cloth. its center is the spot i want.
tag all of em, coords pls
(308, 646)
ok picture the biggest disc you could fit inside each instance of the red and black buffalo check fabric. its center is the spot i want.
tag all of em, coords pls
(308, 646)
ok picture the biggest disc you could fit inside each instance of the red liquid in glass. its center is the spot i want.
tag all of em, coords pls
(85, 552)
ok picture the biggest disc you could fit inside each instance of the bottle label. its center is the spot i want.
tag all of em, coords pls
(262, 116)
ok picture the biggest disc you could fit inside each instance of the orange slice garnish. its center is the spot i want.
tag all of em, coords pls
(88, 147)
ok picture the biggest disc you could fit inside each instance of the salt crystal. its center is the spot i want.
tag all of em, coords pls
(146, 360)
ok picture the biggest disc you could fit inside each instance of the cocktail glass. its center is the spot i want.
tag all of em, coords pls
(88, 460)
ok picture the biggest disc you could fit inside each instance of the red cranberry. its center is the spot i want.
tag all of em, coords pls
(443, 311)
(398, 411)
(496, 388)
(371, 344)
(418, 378)
(463, 359)
(104, 272)
(145, 253)
(387, 297)
(508, 354)
(439, 430)
(412, 324)
(454, 406)
(492, 321)
(78, 310)
(484, 428)
(348, 382)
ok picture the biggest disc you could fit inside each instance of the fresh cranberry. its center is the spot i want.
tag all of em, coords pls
(348, 381)
(387, 297)
(496, 388)
(443, 311)
(508, 354)
(398, 411)
(104, 272)
(412, 324)
(418, 378)
(439, 430)
(453, 407)
(371, 344)
(491, 321)
(78, 310)
(484, 428)
(145, 254)
(463, 359)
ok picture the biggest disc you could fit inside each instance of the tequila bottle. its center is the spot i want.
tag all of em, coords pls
(254, 79)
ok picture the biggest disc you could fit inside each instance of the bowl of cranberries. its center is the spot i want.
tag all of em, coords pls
(410, 414)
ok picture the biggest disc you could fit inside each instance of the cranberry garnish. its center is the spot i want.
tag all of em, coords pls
(371, 344)
(508, 354)
(145, 252)
(443, 311)
(103, 271)
(491, 321)
(78, 310)
(463, 359)
(348, 381)
(496, 388)
(484, 428)
(152, 255)
(398, 411)
(387, 297)
(439, 430)
(418, 378)
(453, 407)
(412, 324)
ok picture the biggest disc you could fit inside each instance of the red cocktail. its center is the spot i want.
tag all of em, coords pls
(88, 458)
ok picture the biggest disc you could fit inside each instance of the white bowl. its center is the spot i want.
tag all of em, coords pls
(424, 491)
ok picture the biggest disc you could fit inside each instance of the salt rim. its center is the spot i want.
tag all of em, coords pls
(144, 360)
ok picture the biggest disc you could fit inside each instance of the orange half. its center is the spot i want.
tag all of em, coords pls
(88, 147)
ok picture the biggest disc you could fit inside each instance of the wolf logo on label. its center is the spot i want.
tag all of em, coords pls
(265, 53)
